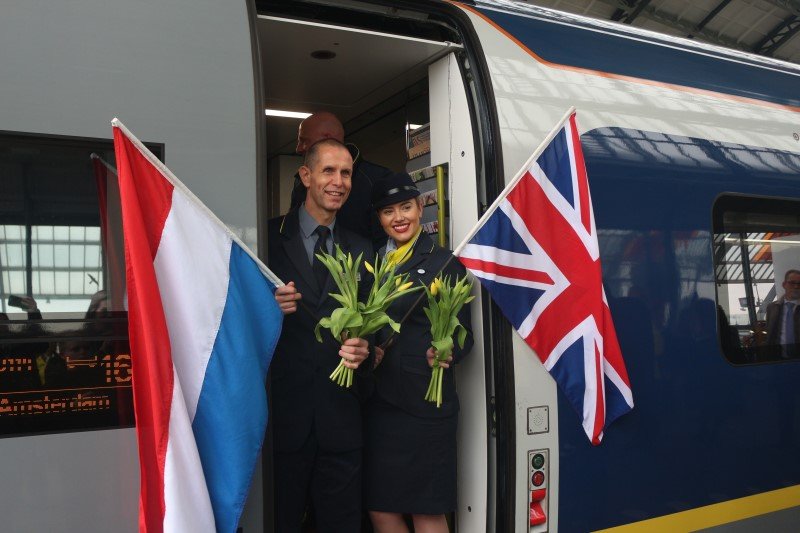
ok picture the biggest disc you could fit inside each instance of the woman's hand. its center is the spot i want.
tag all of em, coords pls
(353, 352)
(431, 355)
(287, 297)
(378, 356)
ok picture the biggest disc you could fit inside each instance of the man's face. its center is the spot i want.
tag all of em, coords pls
(328, 182)
(792, 287)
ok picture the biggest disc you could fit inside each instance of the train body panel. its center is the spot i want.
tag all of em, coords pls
(667, 127)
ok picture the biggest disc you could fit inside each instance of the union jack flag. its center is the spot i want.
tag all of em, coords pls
(536, 252)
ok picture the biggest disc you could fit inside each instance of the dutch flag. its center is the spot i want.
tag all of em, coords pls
(203, 325)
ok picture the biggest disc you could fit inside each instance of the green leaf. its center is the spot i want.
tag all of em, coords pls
(354, 320)
(462, 335)
(444, 347)
(338, 320)
(339, 298)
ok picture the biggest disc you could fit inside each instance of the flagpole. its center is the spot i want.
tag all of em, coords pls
(516, 179)
(169, 176)
(104, 162)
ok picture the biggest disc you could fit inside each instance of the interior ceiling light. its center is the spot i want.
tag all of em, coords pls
(323, 54)
(411, 126)
(288, 114)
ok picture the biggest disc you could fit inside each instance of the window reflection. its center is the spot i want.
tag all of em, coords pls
(64, 354)
(757, 271)
(65, 267)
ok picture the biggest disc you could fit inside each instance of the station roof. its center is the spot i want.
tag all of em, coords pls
(765, 27)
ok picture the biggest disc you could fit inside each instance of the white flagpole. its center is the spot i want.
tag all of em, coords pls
(516, 179)
(169, 176)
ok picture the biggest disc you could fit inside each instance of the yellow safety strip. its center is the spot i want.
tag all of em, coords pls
(718, 513)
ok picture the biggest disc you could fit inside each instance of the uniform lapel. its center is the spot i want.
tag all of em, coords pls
(422, 249)
(296, 252)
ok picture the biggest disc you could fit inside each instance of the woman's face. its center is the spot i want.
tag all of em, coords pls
(400, 221)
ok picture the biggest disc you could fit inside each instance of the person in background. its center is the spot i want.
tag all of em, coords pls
(356, 214)
(410, 444)
(48, 369)
(783, 319)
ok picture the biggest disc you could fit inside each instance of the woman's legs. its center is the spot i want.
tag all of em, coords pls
(430, 523)
(388, 522)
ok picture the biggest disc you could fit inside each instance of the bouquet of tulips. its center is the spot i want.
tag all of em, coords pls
(444, 303)
(355, 319)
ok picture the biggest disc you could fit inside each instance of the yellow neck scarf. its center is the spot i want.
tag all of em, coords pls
(402, 254)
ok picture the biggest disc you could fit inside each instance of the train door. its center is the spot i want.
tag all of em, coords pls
(179, 74)
(405, 86)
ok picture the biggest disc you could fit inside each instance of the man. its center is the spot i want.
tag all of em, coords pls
(317, 424)
(356, 214)
(783, 319)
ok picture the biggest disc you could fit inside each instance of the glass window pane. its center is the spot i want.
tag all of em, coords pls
(76, 256)
(16, 282)
(44, 233)
(92, 257)
(77, 233)
(47, 281)
(757, 270)
(76, 283)
(13, 233)
(45, 255)
(61, 255)
(62, 283)
(16, 255)
(60, 233)
(56, 195)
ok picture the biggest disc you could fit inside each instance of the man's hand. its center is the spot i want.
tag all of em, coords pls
(431, 355)
(287, 298)
(28, 304)
(353, 352)
(378, 356)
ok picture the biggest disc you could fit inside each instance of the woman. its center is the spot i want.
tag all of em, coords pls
(410, 444)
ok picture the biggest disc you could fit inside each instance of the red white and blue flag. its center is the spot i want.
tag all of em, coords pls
(536, 252)
(203, 324)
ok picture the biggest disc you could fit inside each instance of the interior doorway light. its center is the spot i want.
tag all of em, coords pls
(287, 114)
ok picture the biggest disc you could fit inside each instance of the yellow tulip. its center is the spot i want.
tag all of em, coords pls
(434, 288)
(369, 267)
(405, 286)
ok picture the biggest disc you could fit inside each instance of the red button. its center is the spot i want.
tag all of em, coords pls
(537, 479)
(537, 517)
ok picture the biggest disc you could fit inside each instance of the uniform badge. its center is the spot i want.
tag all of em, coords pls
(420, 271)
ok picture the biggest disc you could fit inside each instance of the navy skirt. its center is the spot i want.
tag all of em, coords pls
(409, 462)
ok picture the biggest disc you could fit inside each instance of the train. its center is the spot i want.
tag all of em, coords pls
(693, 158)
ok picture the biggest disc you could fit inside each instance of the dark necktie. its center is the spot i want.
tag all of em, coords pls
(320, 271)
(788, 324)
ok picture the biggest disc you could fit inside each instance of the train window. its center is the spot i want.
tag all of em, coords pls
(64, 356)
(757, 273)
